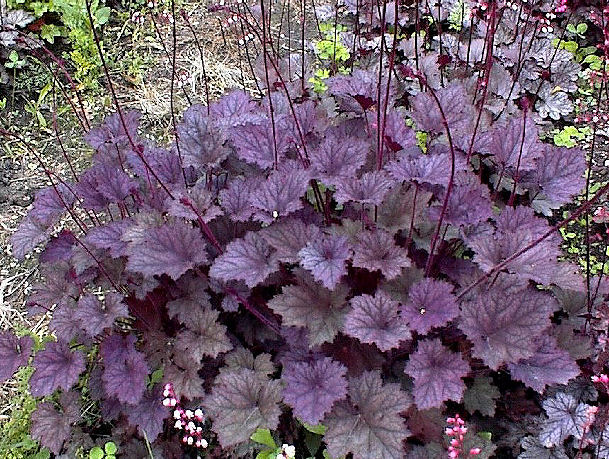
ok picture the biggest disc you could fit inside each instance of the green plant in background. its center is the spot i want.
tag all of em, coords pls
(569, 136)
(108, 452)
(331, 55)
(75, 28)
(459, 13)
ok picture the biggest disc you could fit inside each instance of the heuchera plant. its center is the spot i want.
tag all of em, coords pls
(300, 261)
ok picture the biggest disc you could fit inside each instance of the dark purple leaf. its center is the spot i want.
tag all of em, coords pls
(280, 195)
(325, 258)
(559, 173)
(49, 205)
(504, 326)
(437, 374)
(310, 305)
(29, 234)
(59, 248)
(370, 188)
(312, 388)
(149, 414)
(171, 249)
(533, 449)
(95, 317)
(241, 402)
(288, 237)
(64, 324)
(249, 259)
(109, 236)
(57, 366)
(432, 168)
(377, 251)
(510, 150)
(165, 165)
(204, 336)
(456, 105)
(198, 197)
(50, 427)
(87, 191)
(338, 156)
(201, 142)
(112, 133)
(255, 144)
(549, 365)
(469, 202)
(398, 136)
(236, 199)
(234, 109)
(125, 370)
(241, 358)
(14, 353)
(375, 320)
(113, 183)
(369, 425)
(186, 382)
(430, 304)
(55, 289)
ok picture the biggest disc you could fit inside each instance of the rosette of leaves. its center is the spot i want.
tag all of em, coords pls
(361, 278)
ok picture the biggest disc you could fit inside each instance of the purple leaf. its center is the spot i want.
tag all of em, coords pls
(125, 370)
(310, 305)
(201, 142)
(437, 374)
(198, 197)
(516, 229)
(187, 309)
(280, 195)
(312, 388)
(566, 417)
(57, 366)
(204, 336)
(375, 320)
(49, 205)
(171, 249)
(430, 304)
(234, 109)
(255, 145)
(240, 402)
(325, 258)
(369, 425)
(533, 449)
(455, 104)
(50, 427)
(370, 188)
(186, 382)
(338, 156)
(398, 136)
(113, 183)
(236, 199)
(14, 353)
(149, 414)
(109, 236)
(112, 133)
(432, 168)
(249, 259)
(559, 173)
(469, 202)
(377, 251)
(504, 325)
(549, 365)
(510, 150)
(55, 289)
(87, 191)
(165, 164)
(95, 317)
(64, 324)
(59, 248)
(29, 234)
(288, 237)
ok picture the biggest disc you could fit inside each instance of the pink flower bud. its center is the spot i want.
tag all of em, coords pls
(474, 451)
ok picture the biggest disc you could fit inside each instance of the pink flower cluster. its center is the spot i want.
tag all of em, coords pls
(191, 422)
(602, 379)
(562, 6)
(457, 430)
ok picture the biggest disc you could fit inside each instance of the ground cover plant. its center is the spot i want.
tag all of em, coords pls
(361, 262)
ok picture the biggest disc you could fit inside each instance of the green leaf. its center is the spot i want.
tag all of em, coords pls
(102, 15)
(156, 377)
(264, 437)
(582, 28)
(96, 453)
(110, 447)
(318, 429)
(268, 454)
(571, 28)
(485, 435)
(42, 454)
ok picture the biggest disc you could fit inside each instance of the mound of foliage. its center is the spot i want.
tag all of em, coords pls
(309, 263)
